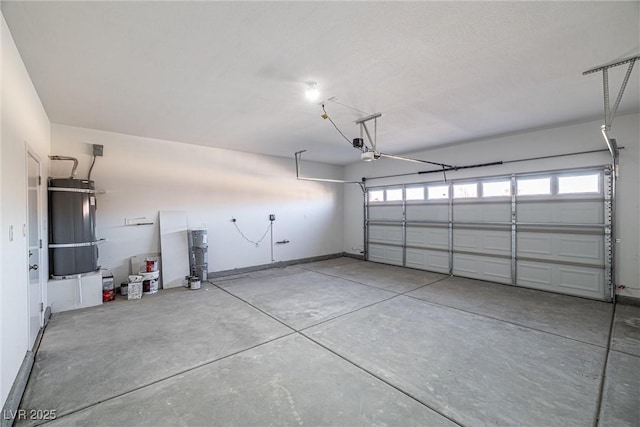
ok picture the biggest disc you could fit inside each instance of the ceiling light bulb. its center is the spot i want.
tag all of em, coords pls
(312, 92)
(368, 156)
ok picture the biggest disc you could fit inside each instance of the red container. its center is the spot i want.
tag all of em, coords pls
(108, 295)
(108, 290)
(152, 265)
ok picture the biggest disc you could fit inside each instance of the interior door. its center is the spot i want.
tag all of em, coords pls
(34, 247)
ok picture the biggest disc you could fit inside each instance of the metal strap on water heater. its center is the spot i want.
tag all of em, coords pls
(75, 245)
(72, 190)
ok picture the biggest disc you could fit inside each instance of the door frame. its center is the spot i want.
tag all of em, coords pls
(30, 152)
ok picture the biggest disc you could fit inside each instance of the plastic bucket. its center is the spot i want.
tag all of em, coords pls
(150, 282)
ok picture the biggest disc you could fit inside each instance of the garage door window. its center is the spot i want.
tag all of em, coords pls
(438, 192)
(533, 187)
(579, 184)
(394, 195)
(461, 191)
(415, 193)
(496, 189)
(376, 195)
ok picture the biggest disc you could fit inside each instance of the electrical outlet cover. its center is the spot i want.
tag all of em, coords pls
(98, 150)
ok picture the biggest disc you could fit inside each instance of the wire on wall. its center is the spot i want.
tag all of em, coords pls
(249, 240)
(335, 101)
(91, 168)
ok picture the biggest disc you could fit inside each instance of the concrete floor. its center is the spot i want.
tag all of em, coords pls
(341, 342)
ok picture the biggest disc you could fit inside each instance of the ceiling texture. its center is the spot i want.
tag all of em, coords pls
(233, 74)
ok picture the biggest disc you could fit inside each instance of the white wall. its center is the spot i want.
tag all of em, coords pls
(24, 121)
(142, 176)
(559, 140)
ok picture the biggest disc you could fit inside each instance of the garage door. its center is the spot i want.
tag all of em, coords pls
(547, 231)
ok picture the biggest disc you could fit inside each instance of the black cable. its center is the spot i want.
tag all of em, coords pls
(453, 168)
(335, 126)
(251, 241)
(348, 106)
(411, 159)
(91, 168)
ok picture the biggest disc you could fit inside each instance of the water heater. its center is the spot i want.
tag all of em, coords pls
(72, 227)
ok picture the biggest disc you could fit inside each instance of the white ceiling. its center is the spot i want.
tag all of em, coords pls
(232, 74)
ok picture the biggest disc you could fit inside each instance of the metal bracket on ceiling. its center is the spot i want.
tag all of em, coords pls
(298, 156)
(364, 130)
(610, 113)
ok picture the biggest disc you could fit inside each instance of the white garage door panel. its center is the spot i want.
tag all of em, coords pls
(428, 237)
(428, 260)
(573, 280)
(561, 212)
(484, 212)
(385, 254)
(482, 241)
(581, 278)
(376, 251)
(484, 268)
(385, 234)
(578, 248)
(393, 212)
(427, 212)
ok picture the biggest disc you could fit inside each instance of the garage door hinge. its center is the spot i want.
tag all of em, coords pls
(40, 243)
(39, 180)
(41, 307)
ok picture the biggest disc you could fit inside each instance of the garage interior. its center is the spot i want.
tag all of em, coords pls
(312, 213)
